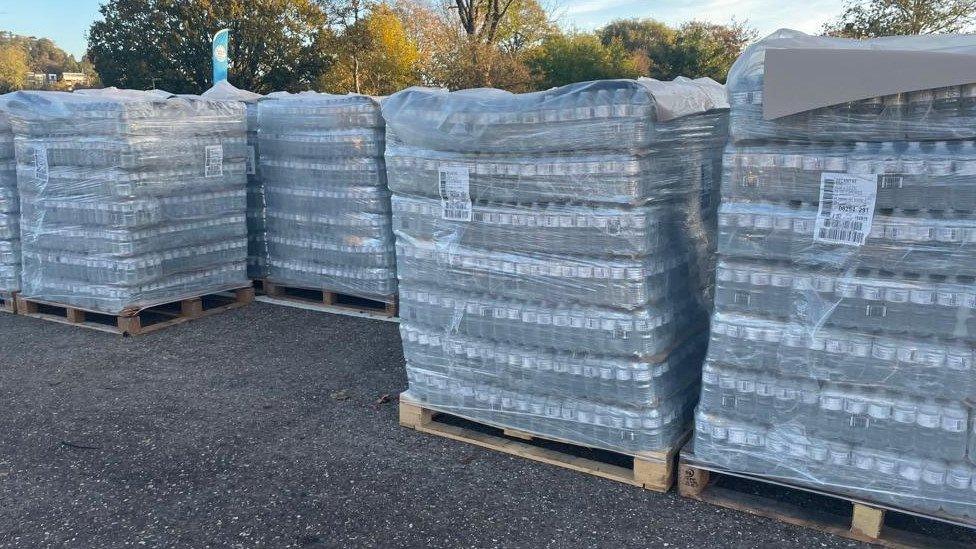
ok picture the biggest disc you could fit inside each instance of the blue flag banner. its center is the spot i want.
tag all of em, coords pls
(220, 60)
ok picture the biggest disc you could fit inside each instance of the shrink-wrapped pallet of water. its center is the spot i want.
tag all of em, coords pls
(327, 202)
(129, 199)
(842, 346)
(553, 252)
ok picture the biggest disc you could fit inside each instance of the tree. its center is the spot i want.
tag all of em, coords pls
(452, 57)
(13, 68)
(274, 44)
(375, 56)
(694, 49)
(646, 39)
(480, 21)
(525, 25)
(706, 49)
(579, 57)
(46, 57)
(871, 18)
(433, 31)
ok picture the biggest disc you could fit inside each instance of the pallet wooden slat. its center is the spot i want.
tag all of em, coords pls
(651, 470)
(865, 523)
(329, 300)
(136, 321)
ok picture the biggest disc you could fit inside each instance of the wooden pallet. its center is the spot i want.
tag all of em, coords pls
(651, 470)
(8, 302)
(137, 321)
(860, 521)
(327, 300)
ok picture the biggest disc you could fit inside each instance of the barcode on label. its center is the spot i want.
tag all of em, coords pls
(890, 181)
(846, 208)
(214, 161)
(453, 184)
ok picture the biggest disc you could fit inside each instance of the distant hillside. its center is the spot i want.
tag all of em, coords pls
(44, 56)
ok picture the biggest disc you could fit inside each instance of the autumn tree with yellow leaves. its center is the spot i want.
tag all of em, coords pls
(13, 68)
(374, 55)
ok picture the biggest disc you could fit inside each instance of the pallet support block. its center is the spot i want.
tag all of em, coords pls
(25, 307)
(191, 307)
(691, 481)
(270, 289)
(867, 521)
(414, 416)
(653, 473)
(75, 315)
(329, 298)
(651, 470)
(245, 295)
(129, 325)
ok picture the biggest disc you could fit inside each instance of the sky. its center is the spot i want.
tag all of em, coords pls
(67, 21)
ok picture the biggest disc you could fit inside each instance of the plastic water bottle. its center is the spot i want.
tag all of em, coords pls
(928, 425)
(766, 386)
(958, 496)
(933, 484)
(953, 427)
(904, 415)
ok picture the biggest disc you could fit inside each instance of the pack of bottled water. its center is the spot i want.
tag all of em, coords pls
(327, 204)
(842, 345)
(128, 198)
(257, 249)
(554, 251)
(9, 208)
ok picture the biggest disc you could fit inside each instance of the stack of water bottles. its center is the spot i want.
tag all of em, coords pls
(9, 209)
(553, 253)
(129, 199)
(842, 345)
(257, 248)
(327, 202)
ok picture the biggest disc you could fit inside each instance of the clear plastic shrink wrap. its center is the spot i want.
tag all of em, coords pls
(327, 200)
(841, 352)
(553, 251)
(257, 249)
(9, 207)
(129, 198)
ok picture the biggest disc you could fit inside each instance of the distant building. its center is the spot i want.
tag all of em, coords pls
(40, 79)
(65, 80)
(72, 79)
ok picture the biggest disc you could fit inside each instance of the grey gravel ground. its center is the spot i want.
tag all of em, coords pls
(261, 427)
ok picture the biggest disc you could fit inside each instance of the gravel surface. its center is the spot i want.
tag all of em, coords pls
(267, 427)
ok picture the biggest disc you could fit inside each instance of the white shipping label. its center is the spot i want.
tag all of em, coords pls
(40, 164)
(214, 162)
(455, 189)
(846, 208)
(251, 161)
